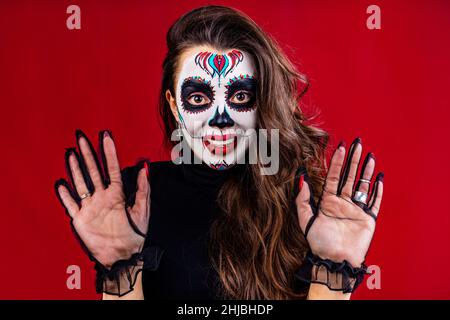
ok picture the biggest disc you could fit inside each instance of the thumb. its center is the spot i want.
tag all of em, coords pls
(140, 211)
(303, 203)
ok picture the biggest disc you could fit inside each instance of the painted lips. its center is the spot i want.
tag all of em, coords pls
(220, 144)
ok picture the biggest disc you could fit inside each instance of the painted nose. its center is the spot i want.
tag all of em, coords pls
(221, 120)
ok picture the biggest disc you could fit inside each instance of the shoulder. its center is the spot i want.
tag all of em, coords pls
(156, 166)
(158, 171)
(163, 168)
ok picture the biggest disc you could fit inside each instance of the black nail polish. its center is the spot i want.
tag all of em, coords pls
(107, 133)
(69, 151)
(79, 134)
(59, 182)
(341, 144)
(371, 155)
(357, 140)
(380, 177)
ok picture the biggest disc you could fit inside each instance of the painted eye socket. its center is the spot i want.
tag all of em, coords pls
(198, 99)
(241, 97)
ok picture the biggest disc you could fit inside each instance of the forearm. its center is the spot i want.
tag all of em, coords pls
(321, 292)
(136, 294)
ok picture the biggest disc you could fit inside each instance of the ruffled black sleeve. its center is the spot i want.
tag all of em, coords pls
(336, 276)
(121, 278)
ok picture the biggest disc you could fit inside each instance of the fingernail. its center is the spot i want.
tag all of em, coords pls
(146, 168)
(371, 155)
(341, 144)
(380, 177)
(357, 140)
(106, 134)
(59, 183)
(79, 133)
(70, 151)
(300, 183)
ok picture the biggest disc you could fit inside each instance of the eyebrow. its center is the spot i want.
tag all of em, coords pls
(192, 85)
(241, 82)
(196, 84)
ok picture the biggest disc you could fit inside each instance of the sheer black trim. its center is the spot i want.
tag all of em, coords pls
(121, 278)
(337, 276)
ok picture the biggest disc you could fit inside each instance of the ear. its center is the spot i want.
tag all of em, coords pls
(173, 105)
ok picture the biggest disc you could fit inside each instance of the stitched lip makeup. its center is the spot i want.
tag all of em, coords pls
(220, 144)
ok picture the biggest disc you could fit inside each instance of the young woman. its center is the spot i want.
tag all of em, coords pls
(222, 228)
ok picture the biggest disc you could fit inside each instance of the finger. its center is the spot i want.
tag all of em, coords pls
(143, 190)
(75, 172)
(377, 194)
(90, 159)
(140, 213)
(303, 202)
(367, 171)
(110, 159)
(65, 197)
(351, 168)
(334, 172)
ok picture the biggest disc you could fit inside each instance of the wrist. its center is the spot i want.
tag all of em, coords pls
(136, 294)
(337, 276)
(121, 277)
(321, 292)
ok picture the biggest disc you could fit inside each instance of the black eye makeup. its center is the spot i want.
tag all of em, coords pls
(197, 94)
(241, 93)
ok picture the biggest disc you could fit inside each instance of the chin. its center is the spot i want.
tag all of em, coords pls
(220, 165)
(219, 162)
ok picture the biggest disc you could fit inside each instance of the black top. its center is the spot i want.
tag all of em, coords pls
(183, 206)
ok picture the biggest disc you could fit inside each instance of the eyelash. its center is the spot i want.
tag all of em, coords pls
(237, 106)
(200, 94)
(247, 93)
(193, 109)
(242, 107)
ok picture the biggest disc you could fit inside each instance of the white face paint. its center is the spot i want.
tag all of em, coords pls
(215, 94)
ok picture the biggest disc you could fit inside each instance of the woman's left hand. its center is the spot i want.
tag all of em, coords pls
(339, 227)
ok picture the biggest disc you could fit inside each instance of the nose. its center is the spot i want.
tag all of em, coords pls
(221, 120)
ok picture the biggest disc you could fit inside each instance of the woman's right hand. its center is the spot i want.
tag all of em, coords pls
(108, 229)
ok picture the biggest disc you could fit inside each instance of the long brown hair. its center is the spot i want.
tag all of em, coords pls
(255, 243)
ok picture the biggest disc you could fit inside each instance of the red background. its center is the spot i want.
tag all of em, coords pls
(389, 86)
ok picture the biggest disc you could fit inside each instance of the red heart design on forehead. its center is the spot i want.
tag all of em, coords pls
(219, 63)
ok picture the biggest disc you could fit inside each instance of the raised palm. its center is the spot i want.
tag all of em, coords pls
(339, 228)
(109, 229)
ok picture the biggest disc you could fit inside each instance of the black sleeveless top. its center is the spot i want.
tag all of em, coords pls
(183, 206)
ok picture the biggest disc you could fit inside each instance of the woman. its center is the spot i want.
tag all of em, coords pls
(222, 228)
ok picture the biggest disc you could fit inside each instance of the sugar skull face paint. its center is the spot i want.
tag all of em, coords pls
(216, 101)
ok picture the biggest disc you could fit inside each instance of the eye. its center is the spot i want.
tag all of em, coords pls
(241, 97)
(198, 99)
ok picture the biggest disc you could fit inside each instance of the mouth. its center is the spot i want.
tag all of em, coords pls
(219, 144)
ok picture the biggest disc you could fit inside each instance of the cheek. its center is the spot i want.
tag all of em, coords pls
(244, 119)
(193, 121)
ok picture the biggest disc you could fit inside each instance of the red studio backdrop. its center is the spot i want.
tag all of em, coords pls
(389, 86)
